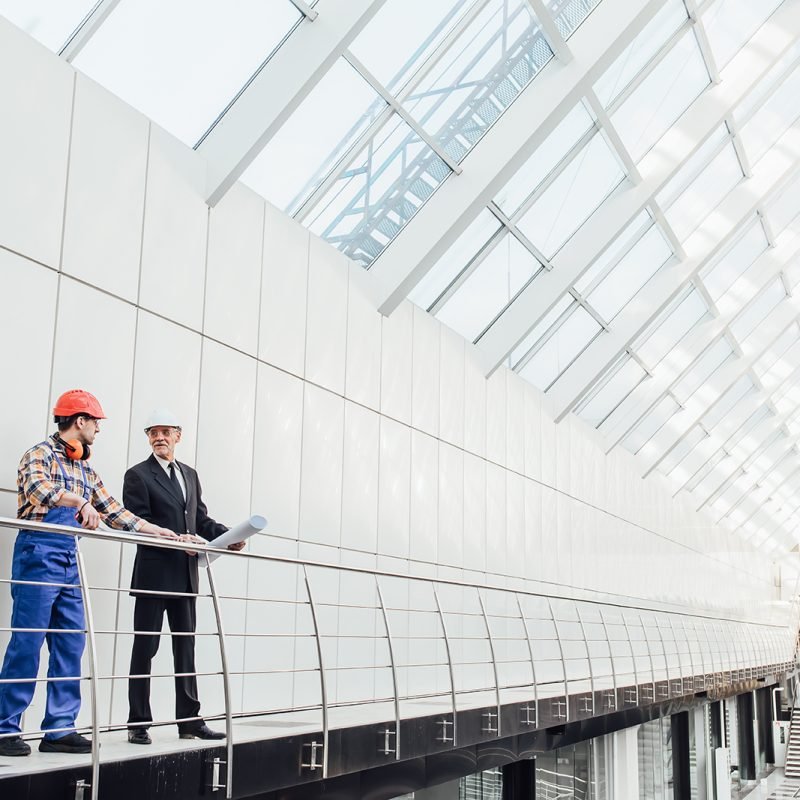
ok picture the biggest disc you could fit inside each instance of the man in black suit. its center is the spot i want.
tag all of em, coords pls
(166, 492)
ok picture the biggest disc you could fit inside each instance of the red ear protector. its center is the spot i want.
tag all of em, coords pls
(75, 449)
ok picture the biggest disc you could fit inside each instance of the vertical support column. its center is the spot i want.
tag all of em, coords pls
(681, 769)
(625, 777)
(519, 780)
(323, 684)
(92, 648)
(746, 742)
(394, 669)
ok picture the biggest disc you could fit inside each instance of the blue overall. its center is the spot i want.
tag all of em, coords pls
(50, 558)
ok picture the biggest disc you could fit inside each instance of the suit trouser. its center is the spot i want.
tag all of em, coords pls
(148, 615)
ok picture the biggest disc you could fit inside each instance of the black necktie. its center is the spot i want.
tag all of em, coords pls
(173, 479)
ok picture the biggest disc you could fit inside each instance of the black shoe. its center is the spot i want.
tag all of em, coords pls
(14, 746)
(71, 743)
(203, 732)
(139, 736)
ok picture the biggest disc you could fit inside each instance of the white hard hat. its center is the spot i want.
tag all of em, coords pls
(162, 416)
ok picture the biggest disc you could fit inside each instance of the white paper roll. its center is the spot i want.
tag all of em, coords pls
(238, 533)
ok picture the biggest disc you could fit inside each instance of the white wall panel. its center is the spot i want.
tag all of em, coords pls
(363, 367)
(225, 431)
(535, 542)
(105, 193)
(175, 227)
(451, 386)
(474, 513)
(360, 478)
(277, 450)
(474, 407)
(496, 411)
(515, 532)
(425, 373)
(532, 433)
(394, 489)
(284, 289)
(515, 429)
(321, 476)
(233, 281)
(451, 506)
(496, 519)
(424, 513)
(326, 332)
(107, 355)
(396, 364)
(166, 374)
(34, 149)
(29, 409)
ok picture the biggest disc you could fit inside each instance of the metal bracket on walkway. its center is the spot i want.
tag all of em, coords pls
(80, 789)
(528, 715)
(312, 763)
(444, 737)
(386, 748)
(489, 722)
(216, 784)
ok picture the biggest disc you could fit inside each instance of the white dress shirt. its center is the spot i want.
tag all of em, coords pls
(165, 466)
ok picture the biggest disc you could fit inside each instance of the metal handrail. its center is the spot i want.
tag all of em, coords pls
(541, 687)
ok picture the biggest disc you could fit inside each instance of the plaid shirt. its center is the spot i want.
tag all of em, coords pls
(40, 484)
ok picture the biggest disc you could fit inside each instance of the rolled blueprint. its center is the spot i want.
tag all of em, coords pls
(239, 533)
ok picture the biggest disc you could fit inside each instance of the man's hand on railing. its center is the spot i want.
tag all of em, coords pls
(157, 530)
(190, 537)
(88, 516)
(236, 546)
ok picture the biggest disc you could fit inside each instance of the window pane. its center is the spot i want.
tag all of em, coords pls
(784, 208)
(489, 64)
(662, 97)
(317, 134)
(381, 189)
(677, 321)
(182, 62)
(722, 275)
(487, 291)
(570, 14)
(572, 197)
(730, 23)
(49, 21)
(639, 53)
(561, 349)
(544, 160)
(728, 402)
(401, 35)
(455, 260)
(682, 449)
(620, 382)
(711, 359)
(651, 424)
(746, 322)
(704, 193)
(547, 322)
(635, 268)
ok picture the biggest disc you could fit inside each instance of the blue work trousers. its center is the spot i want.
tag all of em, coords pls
(48, 558)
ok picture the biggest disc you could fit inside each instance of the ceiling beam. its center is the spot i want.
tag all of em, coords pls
(686, 136)
(277, 90)
(526, 123)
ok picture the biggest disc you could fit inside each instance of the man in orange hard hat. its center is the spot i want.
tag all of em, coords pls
(55, 484)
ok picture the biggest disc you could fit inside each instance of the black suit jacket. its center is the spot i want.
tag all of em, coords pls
(148, 493)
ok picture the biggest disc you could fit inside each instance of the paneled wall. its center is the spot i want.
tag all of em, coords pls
(365, 440)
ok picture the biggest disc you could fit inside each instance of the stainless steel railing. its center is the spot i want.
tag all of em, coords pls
(420, 642)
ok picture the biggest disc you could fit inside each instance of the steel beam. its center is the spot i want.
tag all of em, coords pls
(704, 116)
(532, 116)
(278, 89)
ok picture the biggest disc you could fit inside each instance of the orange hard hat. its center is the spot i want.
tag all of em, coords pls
(78, 401)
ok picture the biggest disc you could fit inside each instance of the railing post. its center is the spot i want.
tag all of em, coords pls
(649, 655)
(92, 646)
(633, 655)
(226, 685)
(610, 655)
(494, 659)
(323, 686)
(563, 663)
(530, 653)
(394, 670)
(450, 668)
(592, 684)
